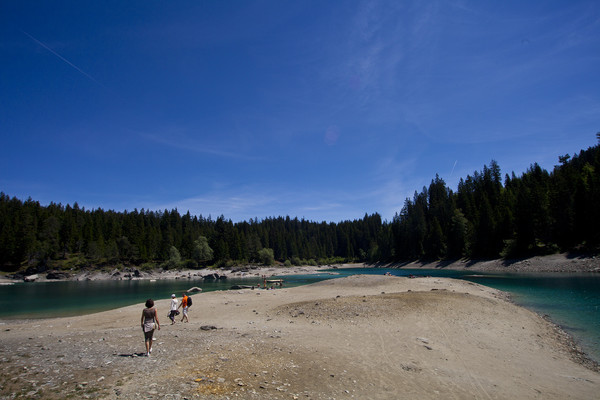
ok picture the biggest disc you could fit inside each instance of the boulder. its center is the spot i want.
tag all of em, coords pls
(30, 278)
(36, 269)
(194, 289)
(237, 287)
(57, 275)
(208, 327)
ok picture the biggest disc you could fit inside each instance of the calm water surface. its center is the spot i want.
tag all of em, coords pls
(62, 299)
(571, 300)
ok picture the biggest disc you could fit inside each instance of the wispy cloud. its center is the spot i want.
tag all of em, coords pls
(183, 142)
(256, 201)
(214, 204)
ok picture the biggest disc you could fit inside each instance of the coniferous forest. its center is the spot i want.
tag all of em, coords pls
(489, 216)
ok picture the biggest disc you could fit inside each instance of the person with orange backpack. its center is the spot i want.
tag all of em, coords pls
(185, 305)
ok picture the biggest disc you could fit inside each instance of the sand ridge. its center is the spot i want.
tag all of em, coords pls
(375, 337)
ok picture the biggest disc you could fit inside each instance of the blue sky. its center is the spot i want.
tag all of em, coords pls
(324, 110)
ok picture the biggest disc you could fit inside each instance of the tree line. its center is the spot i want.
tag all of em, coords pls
(538, 212)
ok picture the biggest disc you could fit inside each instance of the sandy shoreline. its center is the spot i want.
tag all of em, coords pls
(132, 273)
(373, 337)
(551, 263)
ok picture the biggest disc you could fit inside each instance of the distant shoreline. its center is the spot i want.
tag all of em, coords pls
(563, 262)
(132, 273)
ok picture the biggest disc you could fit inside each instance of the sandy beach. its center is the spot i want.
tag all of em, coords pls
(374, 337)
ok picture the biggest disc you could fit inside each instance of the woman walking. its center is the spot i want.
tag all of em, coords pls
(149, 323)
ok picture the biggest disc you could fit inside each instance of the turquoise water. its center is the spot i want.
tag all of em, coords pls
(571, 300)
(63, 299)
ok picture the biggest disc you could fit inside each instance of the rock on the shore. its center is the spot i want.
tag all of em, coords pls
(214, 276)
(57, 275)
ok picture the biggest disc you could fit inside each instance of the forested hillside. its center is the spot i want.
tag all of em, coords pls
(537, 212)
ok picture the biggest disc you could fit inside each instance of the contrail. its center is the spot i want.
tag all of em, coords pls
(453, 168)
(62, 58)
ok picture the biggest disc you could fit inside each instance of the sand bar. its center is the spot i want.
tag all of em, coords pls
(360, 337)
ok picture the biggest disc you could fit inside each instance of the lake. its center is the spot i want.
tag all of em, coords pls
(571, 300)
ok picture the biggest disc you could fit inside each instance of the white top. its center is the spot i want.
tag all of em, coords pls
(173, 304)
